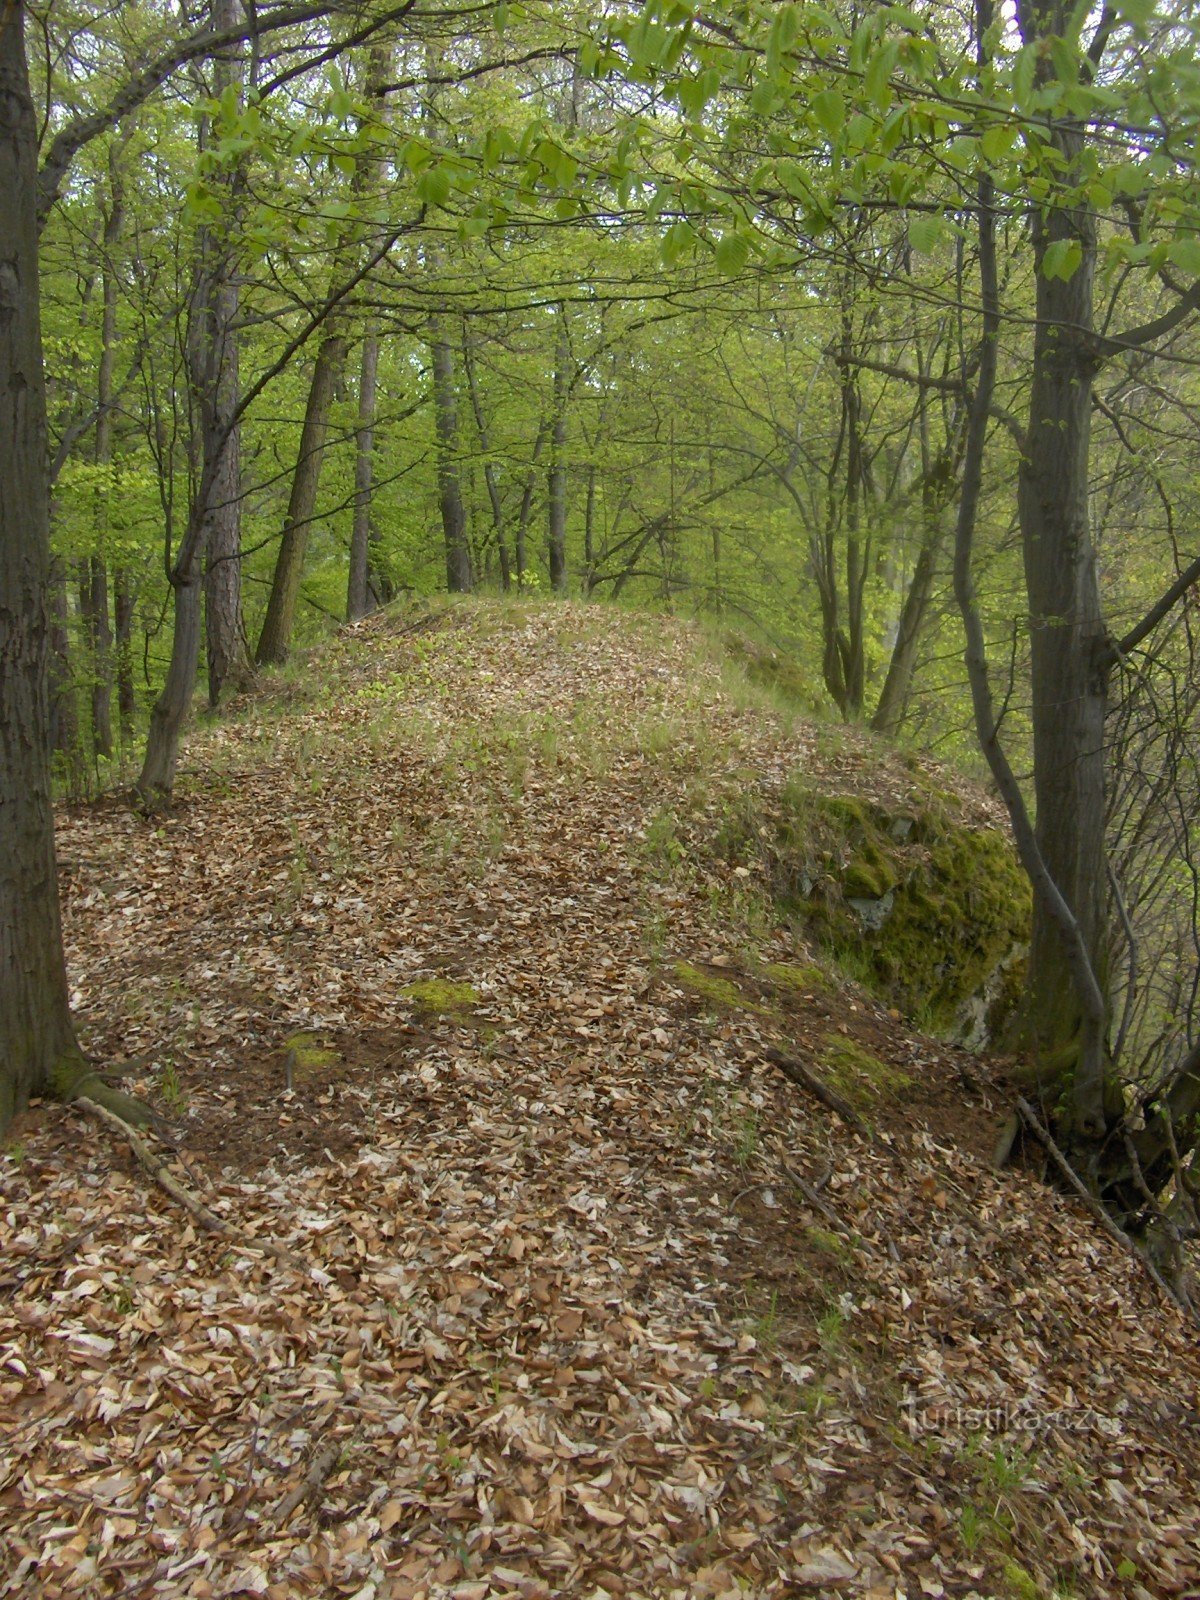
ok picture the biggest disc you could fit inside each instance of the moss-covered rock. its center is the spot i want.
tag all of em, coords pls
(441, 997)
(929, 911)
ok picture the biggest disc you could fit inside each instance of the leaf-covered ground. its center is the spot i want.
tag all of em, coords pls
(581, 1296)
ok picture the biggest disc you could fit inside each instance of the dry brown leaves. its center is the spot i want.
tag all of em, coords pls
(564, 1324)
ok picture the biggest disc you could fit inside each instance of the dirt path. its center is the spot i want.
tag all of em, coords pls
(564, 1322)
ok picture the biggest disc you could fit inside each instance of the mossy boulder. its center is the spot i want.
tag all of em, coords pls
(440, 997)
(928, 910)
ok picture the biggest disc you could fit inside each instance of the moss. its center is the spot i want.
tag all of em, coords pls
(801, 978)
(308, 1055)
(440, 997)
(1020, 1583)
(858, 1074)
(718, 991)
(830, 1243)
(870, 874)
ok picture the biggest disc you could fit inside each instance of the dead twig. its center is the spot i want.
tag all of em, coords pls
(795, 1069)
(814, 1198)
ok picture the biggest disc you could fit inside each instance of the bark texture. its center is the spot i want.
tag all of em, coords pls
(450, 500)
(35, 1021)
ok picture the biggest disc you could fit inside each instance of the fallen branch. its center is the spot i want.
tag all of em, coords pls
(179, 1192)
(814, 1198)
(157, 1169)
(309, 1486)
(1042, 1134)
(807, 1079)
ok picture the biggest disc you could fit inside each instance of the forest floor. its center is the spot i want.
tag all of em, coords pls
(579, 1296)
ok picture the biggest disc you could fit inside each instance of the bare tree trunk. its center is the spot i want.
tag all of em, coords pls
(893, 697)
(64, 719)
(123, 619)
(445, 415)
(489, 469)
(94, 580)
(363, 595)
(1068, 639)
(229, 664)
(556, 486)
(275, 641)
(526, 512)
(36, 1034)
(156, 782)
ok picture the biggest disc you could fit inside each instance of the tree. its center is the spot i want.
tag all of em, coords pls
(36, 1035)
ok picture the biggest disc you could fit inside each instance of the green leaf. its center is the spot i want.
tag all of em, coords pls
(433, 185)
(1185, 253)
(1062, 259)
(794, 180)
(732, 253)
(1139, 12)
(829, 111)
(998, 140)
(926, 232)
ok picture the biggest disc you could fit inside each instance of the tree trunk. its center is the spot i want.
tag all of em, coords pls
(556, 486)
(156, 782)
(489, 469)
(35, 1020)
(229, 665)
(94, 580)
(1068, 639)
(64, 720)
(363, 595)
(450, 501)
(97, 632)
(275, 641)
(893, 697)
(123, 619)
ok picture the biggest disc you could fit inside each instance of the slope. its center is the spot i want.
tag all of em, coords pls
(579, 1295)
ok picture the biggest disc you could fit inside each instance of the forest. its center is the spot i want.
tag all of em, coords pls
(740, 463)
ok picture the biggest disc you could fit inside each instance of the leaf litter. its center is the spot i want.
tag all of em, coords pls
(581, 1296)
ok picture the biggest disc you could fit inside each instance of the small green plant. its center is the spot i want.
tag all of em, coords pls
(746, 1136)
(831, 1329)
(170, 1088)
(765, 1328)
(662, 844)
(971, 1529)
(16, 1152)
